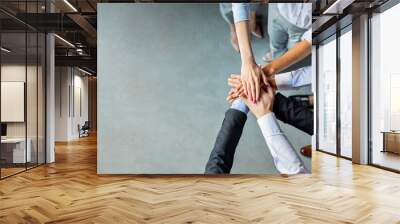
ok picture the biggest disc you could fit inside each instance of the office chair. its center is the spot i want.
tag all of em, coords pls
(84, 130)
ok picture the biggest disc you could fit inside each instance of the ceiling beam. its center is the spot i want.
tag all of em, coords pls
(82, 61)
(337, 7)
(84, 24)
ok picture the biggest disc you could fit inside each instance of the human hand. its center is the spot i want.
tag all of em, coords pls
(269, 80)
(234, 81)
(251, 77)
(268, 76)
(265, 104)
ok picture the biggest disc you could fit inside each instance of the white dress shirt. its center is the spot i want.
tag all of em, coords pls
(285, 157)
(298, 14)
(294, 79)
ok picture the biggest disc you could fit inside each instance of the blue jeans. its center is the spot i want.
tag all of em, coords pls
(283, 34)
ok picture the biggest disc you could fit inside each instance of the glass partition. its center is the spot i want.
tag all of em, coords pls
(346, 93)
(23, 91)
(32, 95)
(327, 96)
(385, 90)
(41, 88)
(14, 153)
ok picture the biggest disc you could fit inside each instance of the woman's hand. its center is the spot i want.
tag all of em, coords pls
(235, 82)
(251, 75)
(259, 109)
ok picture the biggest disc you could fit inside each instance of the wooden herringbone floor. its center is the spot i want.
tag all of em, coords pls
(70, 191)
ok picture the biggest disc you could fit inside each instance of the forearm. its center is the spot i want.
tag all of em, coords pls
(241, 14)
(293, 55)
(285, 158)
(243, 35)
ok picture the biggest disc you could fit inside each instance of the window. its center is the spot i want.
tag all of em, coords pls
(327, 96)
(385, 89)
(346, 95)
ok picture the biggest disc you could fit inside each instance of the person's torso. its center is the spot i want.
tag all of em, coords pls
(299, 14)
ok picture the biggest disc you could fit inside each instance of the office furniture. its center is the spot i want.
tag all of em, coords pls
(391, 141)
(3, 130)
(84, 130)
(13, 150)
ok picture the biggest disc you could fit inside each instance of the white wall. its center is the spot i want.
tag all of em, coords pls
(61, 103)
(69, 82)
(79, 117)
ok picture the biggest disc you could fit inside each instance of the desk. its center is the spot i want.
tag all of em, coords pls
(391, 141)
(13, 150)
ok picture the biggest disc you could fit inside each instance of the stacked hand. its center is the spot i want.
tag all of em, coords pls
(253, 77)
(260, 108)
(251, 80)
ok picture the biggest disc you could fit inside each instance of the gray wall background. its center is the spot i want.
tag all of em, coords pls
(162, 74)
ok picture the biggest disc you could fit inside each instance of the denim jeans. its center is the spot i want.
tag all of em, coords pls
(283, 34)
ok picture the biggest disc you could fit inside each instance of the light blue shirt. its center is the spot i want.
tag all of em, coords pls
(241, 11)
(239, 105)
(298, 14)
(294, 79)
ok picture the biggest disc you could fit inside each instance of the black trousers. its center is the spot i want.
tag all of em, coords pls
(287, 110)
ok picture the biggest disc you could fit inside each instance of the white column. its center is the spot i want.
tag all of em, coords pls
(50, 93)
(50, 110)
(360, 90)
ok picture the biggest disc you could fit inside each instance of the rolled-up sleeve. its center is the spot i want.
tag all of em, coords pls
(240, 11)
(307, 35)
(302, 77)
(294, 79)
(284, 80)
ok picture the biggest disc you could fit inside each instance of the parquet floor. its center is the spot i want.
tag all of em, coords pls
(70, 191)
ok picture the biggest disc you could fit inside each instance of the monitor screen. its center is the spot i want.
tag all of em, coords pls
(3, 129)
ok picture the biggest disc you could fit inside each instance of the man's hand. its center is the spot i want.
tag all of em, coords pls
(266, 103)
(251, 75)
(269, 80)
(237, 90)
(268, 75)
(259, 109)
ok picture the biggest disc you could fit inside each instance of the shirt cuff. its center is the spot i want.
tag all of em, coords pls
(307, 36)
(240, 12)
(269, 125)
(284, 80)
(239, 105)
(302, 77)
